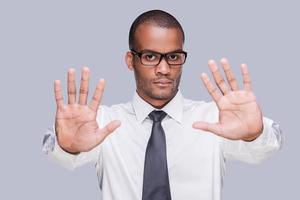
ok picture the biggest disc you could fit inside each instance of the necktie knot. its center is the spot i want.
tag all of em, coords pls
(157, 115)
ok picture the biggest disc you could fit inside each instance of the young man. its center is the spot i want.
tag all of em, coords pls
(160, 145)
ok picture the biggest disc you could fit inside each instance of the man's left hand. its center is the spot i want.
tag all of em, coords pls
(240, 117)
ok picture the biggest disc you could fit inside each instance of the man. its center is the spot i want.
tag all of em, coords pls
(160, 145)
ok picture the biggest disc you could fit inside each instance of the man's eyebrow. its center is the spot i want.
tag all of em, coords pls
(174, 51)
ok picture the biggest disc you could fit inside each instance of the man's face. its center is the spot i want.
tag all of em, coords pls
(156, 84)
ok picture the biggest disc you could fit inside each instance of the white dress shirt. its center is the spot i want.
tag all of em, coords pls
(196, 159)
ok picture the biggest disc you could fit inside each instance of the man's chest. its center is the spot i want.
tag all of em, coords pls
(190, 154)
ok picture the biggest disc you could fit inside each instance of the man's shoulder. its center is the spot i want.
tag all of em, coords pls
(114, 112)
(189, 104)
(200, 110)
(119, 108)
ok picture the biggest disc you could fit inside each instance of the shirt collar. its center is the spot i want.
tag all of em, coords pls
(174, 108)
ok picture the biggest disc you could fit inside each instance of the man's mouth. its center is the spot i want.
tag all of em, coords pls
(163, 82)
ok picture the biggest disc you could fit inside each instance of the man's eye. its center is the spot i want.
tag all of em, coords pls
(173, 57)
(150, 57)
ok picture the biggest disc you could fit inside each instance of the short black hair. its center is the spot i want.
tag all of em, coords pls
(158, 18)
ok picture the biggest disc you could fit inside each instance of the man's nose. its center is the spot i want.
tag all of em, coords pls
(163, 67)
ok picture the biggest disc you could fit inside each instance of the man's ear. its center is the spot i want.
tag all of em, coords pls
(129, 60)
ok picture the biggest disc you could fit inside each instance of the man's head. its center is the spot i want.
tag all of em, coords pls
(152, 34)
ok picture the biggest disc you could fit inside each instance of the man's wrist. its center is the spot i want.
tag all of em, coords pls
(251, 139)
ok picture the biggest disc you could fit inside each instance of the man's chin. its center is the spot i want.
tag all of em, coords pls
(163, 95)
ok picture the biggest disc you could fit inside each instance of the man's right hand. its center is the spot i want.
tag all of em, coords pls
(76, 127)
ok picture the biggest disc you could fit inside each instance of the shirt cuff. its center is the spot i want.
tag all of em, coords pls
(271, 135)
(49, 140)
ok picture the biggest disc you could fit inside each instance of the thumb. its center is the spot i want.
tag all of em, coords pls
(210, 127)
(108, 129)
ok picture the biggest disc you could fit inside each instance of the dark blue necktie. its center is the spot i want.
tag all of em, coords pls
(156, 179)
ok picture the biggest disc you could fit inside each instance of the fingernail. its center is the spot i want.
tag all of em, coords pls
(223, 60)
(211, 61)
(194, 125)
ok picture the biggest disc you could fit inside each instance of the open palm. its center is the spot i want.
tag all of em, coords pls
(239, 114)
(76, 126)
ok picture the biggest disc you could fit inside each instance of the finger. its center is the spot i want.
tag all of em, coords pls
(229, 74)
(58, 94)
(71, 87)
(218, 77)
(246, 77)
(84, 86)
(210, 127)
(96, 100)
(108, 129)
(212, 90)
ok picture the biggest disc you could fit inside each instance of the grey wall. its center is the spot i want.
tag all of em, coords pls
(40, 40)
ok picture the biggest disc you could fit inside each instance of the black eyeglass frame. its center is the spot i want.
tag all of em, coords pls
(162, 55)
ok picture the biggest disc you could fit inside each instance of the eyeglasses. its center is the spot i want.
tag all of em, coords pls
(152, 58)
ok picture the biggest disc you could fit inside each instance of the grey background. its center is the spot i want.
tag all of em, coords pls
(40, 40)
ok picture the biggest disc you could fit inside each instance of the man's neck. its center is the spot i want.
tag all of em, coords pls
(156, 103)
